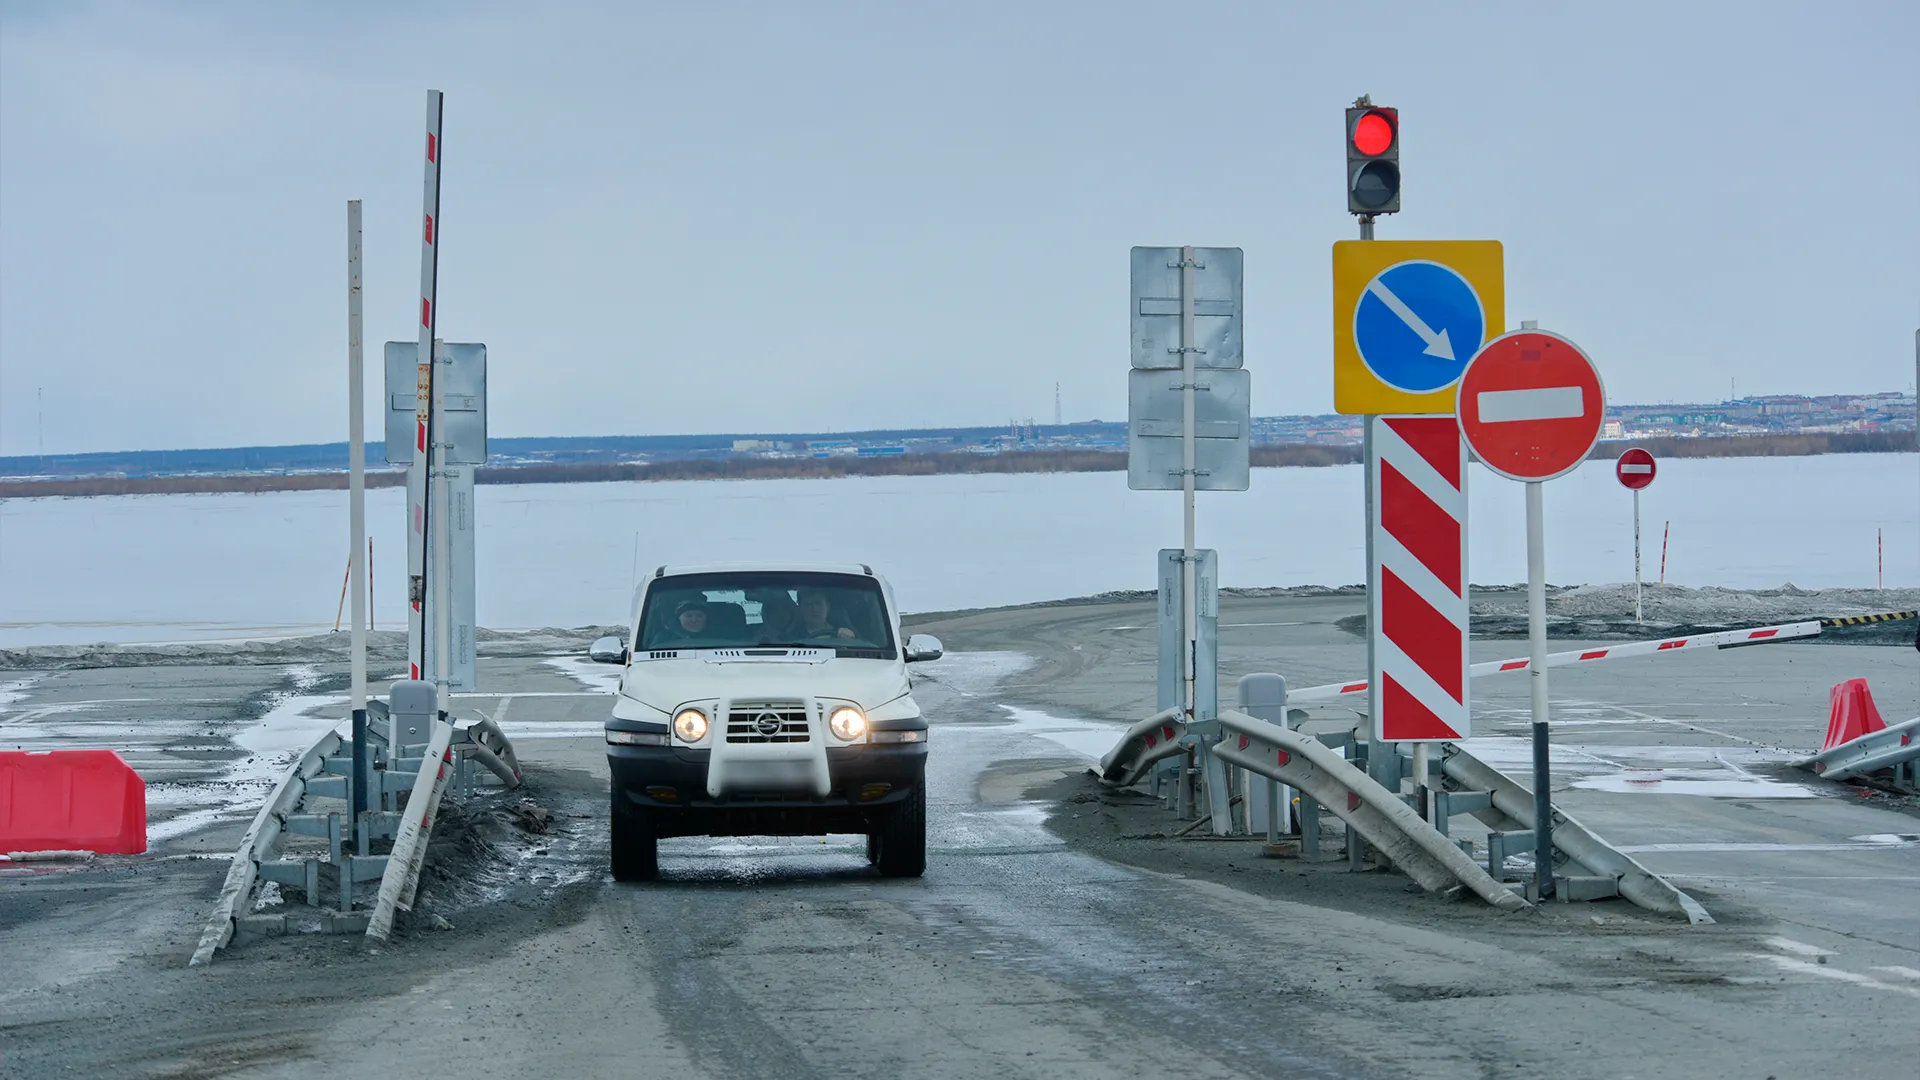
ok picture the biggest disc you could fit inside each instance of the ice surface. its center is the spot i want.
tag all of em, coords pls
(187, 567)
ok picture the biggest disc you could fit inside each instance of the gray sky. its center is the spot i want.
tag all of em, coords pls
(684, 218)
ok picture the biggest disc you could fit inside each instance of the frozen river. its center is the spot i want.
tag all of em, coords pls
(172, 567)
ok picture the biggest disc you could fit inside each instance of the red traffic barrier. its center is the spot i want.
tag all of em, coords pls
(1854, 714)
(72, 800)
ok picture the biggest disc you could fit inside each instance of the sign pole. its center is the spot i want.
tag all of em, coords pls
(1190, 616)
(1636, 556)
(1537, 680)
(357, 511)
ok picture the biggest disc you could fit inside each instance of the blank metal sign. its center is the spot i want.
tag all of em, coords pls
(1218, 296)
(1155, 425)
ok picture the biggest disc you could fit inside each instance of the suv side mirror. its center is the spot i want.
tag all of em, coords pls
(923, 647)
(607, 650)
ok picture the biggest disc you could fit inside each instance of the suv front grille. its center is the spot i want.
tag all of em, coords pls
(768, 721)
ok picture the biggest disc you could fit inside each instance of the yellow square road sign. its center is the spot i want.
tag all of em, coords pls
(1407, 316)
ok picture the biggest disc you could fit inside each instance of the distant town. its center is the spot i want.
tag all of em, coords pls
(1786, 414)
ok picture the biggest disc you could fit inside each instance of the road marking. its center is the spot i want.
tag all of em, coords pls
(1786, 944)
(1541, 403)
(534, 693)
(1903, 972)
(1736, 847)
(1437, 344)
(1809, 967)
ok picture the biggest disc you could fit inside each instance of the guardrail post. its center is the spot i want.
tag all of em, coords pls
(1263, 695)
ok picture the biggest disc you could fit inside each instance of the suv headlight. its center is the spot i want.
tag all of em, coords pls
(848, 724)
(690, 724)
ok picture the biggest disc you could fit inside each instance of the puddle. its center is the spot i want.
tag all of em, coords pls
(1725, 783)
(604, 678)
(1088, 738)
(971, 674)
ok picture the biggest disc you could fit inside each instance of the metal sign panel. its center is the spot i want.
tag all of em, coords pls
(1417, 585)
(1407, 316)
(466, 392)
(462, 670)
(1222, 428)
(1207, 645)
(1532, 405)
(1217, 307)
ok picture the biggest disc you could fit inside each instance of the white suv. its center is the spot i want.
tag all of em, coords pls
(766, 700)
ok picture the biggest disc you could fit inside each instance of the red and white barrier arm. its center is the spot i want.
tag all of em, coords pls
(1718, 640)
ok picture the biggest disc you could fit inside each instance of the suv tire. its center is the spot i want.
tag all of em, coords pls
(636, 852)
(901, 837)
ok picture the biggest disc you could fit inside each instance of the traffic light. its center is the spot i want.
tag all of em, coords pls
(1373, 160)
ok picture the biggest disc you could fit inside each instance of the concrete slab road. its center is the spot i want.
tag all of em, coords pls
(1026, 951)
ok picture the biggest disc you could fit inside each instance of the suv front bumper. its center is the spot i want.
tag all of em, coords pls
(642, 775)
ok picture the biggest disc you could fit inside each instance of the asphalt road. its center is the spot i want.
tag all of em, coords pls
(1027, 950)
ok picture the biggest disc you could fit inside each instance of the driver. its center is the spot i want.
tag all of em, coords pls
(690, 619)
(816, 618)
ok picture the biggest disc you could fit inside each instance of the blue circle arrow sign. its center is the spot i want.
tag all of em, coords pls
(1417, 325)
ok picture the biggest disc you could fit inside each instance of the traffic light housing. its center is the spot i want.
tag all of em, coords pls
(1373, 160)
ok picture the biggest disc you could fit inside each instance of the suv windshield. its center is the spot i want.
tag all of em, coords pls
(763, 608)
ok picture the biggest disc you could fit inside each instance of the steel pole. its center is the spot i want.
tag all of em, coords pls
(357, 510)
(1190, 613)
(1537, 679)
(1636, 556)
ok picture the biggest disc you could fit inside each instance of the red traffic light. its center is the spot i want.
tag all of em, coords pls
(1373, 133)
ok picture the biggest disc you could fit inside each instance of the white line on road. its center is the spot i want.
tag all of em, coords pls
(1825, 971)
(1437, 344)
(1903, 972)
(1542, 403)
(1735, 847)
(1786, 944)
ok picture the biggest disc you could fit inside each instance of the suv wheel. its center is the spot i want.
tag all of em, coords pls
(636, 852)
(902, 837)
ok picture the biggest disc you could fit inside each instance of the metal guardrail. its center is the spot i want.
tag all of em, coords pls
(410, 842)
(1888, 748)
(260, 844)
(1635, 882)
(1372, 811)
(485, 743)
(1153, 739)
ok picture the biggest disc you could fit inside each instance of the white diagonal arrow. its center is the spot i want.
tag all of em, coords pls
(1437, 344)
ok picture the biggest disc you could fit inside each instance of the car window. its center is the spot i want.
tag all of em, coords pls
(846, 612)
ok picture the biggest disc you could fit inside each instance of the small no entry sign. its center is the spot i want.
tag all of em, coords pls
(1635, 469)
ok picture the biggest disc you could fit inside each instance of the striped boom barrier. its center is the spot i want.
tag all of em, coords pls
(1722, 639)
(1417, 609)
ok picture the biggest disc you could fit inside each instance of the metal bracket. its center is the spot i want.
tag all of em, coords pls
(1177, 350)
(1184, 263)
(1183, 472)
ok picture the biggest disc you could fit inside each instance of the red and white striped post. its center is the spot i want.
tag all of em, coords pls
(1665, 535)
(1417, 583)
(423, 475)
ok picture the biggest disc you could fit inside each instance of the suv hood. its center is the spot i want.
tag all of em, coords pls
(666, 684)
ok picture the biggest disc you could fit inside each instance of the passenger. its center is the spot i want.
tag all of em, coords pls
(816, 618)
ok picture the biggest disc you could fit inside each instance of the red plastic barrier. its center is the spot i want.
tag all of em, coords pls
(71, 800)
(1854, 714)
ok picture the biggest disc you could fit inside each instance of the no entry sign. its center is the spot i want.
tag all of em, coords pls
(1531, 405)
(1635, 469)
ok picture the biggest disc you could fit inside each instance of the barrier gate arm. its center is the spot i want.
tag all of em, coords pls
(1414, 846)
(410, 843)
(1720, 639)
